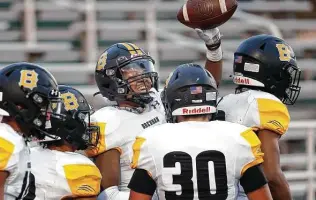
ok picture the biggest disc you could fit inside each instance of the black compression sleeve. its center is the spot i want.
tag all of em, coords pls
(141, 182)
(253, 179)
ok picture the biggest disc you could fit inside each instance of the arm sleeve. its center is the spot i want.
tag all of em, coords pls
(142, 182)
(268, 114)
(249, 152)
(142, 157)
(253, 179)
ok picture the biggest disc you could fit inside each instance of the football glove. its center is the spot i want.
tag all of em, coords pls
(212, 39)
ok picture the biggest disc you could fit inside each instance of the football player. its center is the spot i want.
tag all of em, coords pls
(192, 158)
(59, 172)
(125, 74)
(27, 93)
(267, 79)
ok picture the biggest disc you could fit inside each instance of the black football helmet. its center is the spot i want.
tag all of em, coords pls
(189, 90)
(28, 93)
(120, 60)
(267, 63)
(76, 128)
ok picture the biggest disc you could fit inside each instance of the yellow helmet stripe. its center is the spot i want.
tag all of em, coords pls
(129, 48)
(139, 51)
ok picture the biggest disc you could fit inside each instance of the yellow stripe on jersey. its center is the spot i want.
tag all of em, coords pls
(101, 146)
(255, 144)
(129, 48)
(6, 151)
(83, 179)
(139, 52)
(273, 115)
(136, 151)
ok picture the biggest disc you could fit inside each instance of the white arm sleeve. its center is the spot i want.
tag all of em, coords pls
(113, 193)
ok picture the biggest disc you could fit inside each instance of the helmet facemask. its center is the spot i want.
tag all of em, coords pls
(135, 79)
(34, 116)
(293, 90)
(91, 135)
(76, 128)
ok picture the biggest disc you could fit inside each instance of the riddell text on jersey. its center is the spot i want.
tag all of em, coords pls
(188, 111)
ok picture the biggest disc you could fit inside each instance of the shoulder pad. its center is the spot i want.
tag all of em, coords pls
(271, 113)
(108, 115)
(82, 176)
(108, 119)
(142, 149)
(232, 129)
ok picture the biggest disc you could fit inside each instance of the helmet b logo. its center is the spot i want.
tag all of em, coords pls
(70, 101)
(28, 79)
(284, 52)
(102, 61)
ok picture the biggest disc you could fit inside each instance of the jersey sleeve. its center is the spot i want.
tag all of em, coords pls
(249, 151)
(142, 157)
(108, 138)
(6, 154)
(268, 114)
(82, 176)
(11, 146)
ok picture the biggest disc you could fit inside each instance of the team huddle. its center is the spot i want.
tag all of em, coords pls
(169, 144)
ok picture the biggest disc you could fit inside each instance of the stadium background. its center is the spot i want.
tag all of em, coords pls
(67, 36)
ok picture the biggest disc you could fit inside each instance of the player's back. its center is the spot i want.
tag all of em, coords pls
(63, 174)
(197, 160)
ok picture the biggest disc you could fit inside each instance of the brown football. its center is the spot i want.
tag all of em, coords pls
(206, 14)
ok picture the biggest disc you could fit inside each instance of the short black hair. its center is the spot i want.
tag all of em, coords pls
(48, 144)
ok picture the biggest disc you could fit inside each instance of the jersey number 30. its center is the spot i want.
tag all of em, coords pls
(202, 175)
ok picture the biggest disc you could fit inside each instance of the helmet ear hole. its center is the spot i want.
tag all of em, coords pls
(263, 46)
(176, 76)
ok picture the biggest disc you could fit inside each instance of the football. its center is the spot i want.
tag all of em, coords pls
(206, 14)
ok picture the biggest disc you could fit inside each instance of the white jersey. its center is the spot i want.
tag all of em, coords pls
(119, 128)
(197, 160)
(256, 109)
(15, 159)
(63, 174)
